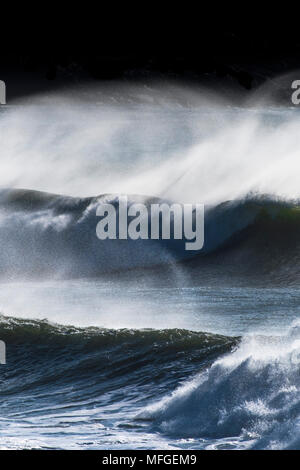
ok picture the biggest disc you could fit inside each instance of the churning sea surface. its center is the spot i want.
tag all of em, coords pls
(113, 367)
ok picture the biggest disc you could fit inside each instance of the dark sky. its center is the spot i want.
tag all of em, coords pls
(102, 51)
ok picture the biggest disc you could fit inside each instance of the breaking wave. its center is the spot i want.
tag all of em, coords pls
(248, 398)
(214, 390)
(43, 234)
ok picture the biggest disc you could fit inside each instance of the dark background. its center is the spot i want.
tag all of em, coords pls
(182, 42)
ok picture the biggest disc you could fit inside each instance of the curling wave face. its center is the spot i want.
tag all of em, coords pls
(46, 235)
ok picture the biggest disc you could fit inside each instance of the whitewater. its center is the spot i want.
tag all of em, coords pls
(123, 344)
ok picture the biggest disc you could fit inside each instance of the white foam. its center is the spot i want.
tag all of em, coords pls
(205, 154)
(250, 395)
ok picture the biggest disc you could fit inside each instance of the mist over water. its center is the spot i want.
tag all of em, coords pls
(200, 152)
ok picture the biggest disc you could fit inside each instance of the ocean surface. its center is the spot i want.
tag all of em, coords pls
(125, 345)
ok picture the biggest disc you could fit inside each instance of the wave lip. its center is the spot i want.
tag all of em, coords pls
(19, 330)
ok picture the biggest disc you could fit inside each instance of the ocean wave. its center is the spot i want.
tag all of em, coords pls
(46, 235)
(219, 391)
(52, 353)
(249, 397)
(254, 241)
